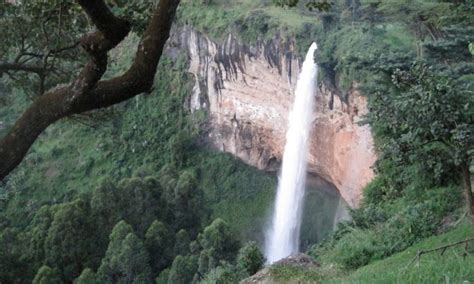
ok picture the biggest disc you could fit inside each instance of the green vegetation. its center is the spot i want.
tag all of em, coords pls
(413, 63)
(421, 116)
(250, 259)
(138, 198)
(157, 190)
(249, 21)
(453, 266)
(294, 273)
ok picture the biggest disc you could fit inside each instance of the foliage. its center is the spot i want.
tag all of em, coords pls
(182, 242)
(41, 35)
(183, 269)
(440, 125)
(247, 21)
(378, 230)
(87, 277)
(46, 275)
(126, 260)
(421, 117)
(157, 242)
(218, 244)
(355, 249)
(320, 5)
(454, 264)
(294, 273)
(250, 259)
(163, 276)
(224, 273)
(69, 244)
(167, 187)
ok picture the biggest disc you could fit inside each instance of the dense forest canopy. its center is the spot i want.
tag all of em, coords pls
(98, 187)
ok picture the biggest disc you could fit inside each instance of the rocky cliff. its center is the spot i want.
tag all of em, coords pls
(248, 92)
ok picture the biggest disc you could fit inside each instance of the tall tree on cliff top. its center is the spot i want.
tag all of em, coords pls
(37, 46)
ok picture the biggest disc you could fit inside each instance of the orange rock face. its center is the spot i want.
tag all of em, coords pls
(248, 93)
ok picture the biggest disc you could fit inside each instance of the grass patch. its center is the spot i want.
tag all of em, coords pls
(295, 274)
(451, 267)
(456, 265)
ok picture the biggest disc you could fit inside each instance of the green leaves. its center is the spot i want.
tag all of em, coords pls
(250, 259)
(424, 120)
(69, 245)
(126, 260)
(46, 275)
(313, 4)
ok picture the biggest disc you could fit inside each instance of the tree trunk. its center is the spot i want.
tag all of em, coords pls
(467, 186)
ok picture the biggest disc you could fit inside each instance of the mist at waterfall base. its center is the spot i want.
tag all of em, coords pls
(283, 237)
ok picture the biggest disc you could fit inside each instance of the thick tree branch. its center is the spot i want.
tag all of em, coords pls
(86, 92)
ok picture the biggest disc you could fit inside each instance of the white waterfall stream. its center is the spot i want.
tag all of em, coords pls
(282, 238)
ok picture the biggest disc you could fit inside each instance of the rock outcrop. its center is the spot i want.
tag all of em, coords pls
(248, 92)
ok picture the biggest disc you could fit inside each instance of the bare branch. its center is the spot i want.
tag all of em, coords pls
(441, 248)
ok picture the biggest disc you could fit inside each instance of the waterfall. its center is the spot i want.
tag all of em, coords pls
(282, 238)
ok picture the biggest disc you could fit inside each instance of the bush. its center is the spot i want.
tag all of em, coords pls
(250, 259)
(46, 275)
(380, 229)
(183, 269)
(355, 249)
(368, 216)
(225, 273)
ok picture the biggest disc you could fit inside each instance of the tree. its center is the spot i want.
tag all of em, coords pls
(138, 201)
(105, 203)
(187, 202)
(38, 232)
(126, 260)
(157, 242)
(250, 259)
(87, 91)
(11, 259)
(218, 243)
(163, 277)
(69, 245)
(224, 273)
(183, 270)
(182, 241)
(312, 4)
(87, 277)
(39, 43)
(46, 275)
(428, 119)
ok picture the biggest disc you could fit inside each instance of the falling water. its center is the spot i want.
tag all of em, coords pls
(282, 238)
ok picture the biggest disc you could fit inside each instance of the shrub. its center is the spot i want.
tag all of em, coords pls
(356, 248)
(250, 259)
(224, 273)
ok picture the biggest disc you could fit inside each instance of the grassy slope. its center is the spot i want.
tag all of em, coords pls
(451, 267)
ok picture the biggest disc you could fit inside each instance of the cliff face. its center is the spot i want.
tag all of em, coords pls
(248, 92)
